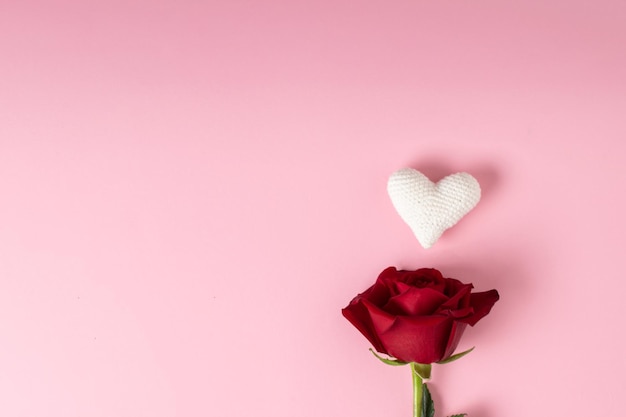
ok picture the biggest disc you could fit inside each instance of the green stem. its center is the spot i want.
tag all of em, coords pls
(417, 391)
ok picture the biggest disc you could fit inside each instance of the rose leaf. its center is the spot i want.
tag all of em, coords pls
(455, 357)
(428, 405)
(392, 362)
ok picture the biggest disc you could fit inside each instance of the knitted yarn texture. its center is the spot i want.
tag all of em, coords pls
(431, 208)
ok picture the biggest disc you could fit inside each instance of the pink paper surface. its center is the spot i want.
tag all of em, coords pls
(191, 191)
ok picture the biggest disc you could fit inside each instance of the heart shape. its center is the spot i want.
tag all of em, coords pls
(431, 208)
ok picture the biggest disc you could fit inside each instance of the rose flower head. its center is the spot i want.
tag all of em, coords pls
(417, 316)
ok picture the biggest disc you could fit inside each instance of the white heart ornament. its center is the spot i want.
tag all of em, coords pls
(431, 208)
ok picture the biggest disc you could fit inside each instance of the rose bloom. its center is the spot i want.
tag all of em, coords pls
(417, 316)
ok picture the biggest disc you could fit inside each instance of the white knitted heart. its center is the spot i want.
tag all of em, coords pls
(428, 208)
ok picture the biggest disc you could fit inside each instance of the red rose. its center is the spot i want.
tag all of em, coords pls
(417, 316)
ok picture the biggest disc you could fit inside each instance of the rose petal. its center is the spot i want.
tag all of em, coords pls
(461, 313)
(357, 314)
(415, 302)
(378, 294)
(397, 288)
(424, 277)
(388, 274)
(453, 286)
(381, 320)
(482, 302)
(460, 299)
(417, 339)
(455, 337)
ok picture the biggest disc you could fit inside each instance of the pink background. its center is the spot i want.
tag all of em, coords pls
(192, 190)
